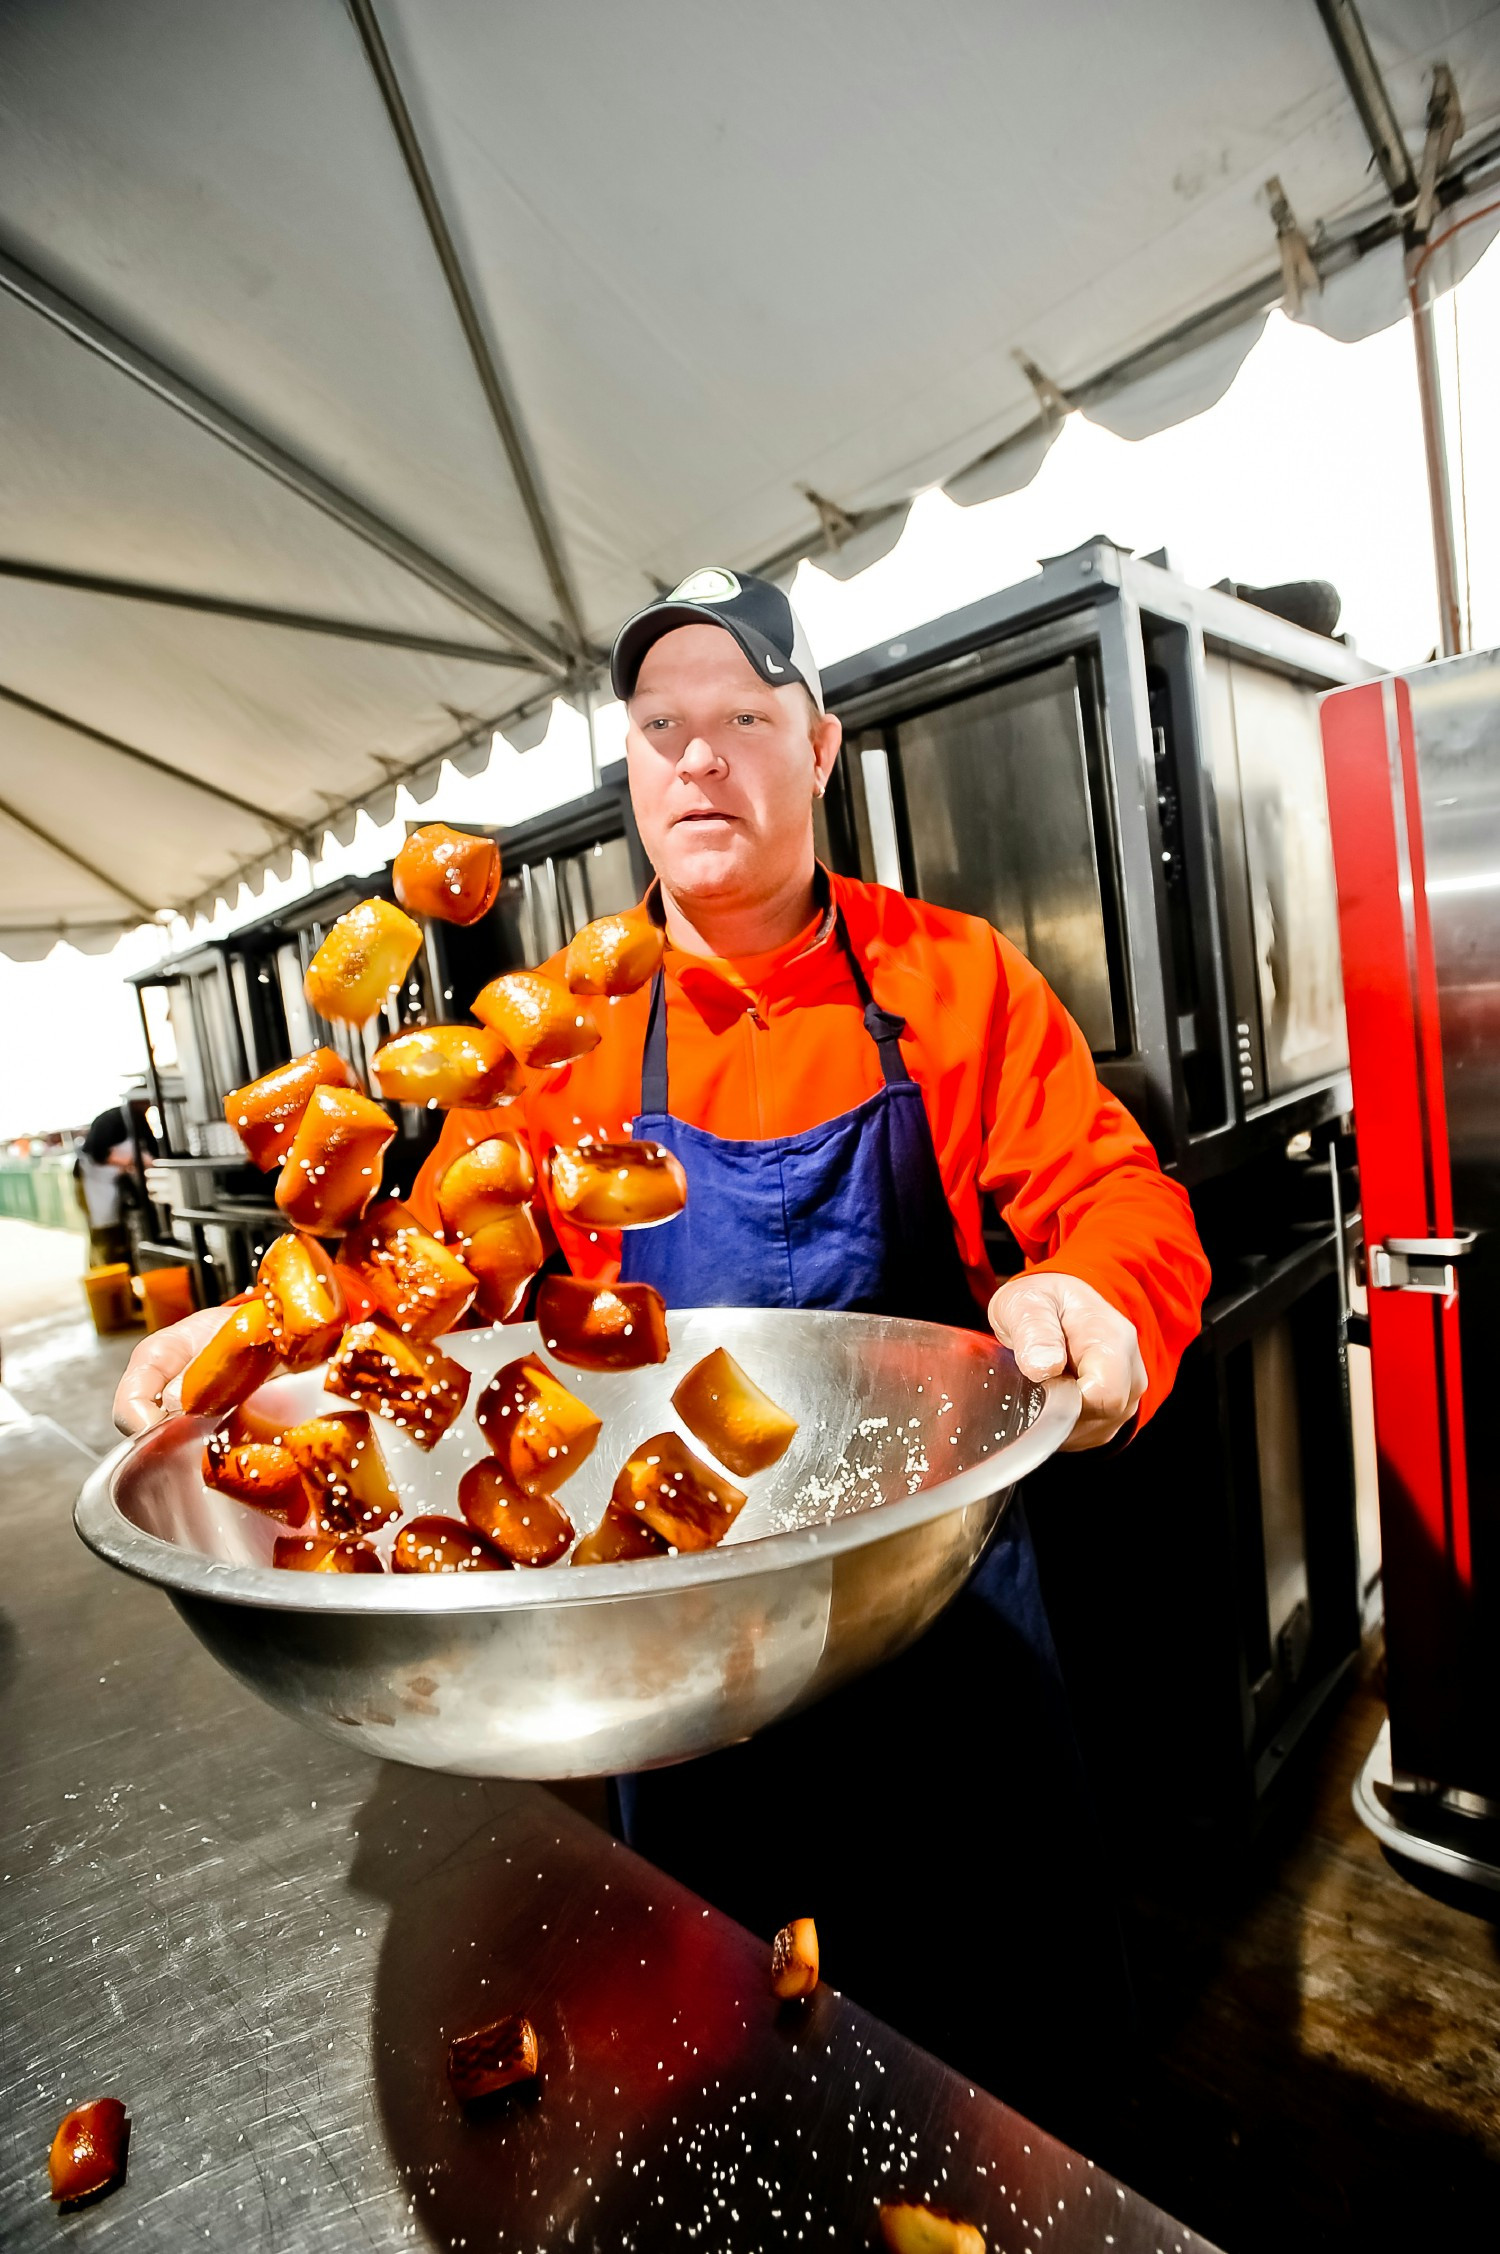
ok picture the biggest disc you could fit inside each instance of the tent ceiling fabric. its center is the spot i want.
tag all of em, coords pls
(712, 289)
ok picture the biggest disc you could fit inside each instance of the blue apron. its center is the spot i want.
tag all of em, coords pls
(956, 1761)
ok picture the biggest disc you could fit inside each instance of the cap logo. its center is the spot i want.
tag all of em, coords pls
(711, 586)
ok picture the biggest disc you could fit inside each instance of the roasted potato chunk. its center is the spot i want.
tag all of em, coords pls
(296, 1279)
(420, 1286)
(344, 1472)
(530, 1528)
(447, 874)
(728, 1412)
(540, 1431)
(602, 1326)
(485, 1184)
(239, 1357)
(262, 1473)
(409, 1385)
(537, 1017)
(333, 1167)
(447, 1065)
(325, 1553)
(504, 1256)
(435, 1544)
(89, 2151)
(265, 1114)
(368, 951)
(617, 1185)
(794, 1959)
(614, 954)
(619, 1538)
(907, 2228)
(681, 1498)
(493, 2058)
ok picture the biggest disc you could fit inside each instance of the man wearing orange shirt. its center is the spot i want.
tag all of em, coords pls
(844, 1073)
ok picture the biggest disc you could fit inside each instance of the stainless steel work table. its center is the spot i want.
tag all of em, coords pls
(262, 1944)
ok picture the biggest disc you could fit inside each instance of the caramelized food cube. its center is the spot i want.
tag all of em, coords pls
(537, 1017)
(619, 1538)
(602, 1326)
(412, 1386)
(262, 1473)
(493, 2058)
(333, 1167)
(539, 1430)
(265, 1114)
(325, 1553)
(504, 1256)
(908, 2228)
(529, 1527)
(617, 1185)
(794, 1959)
(296, 1279)
(446, 1065)
(341, 1464)
(240, 1356)
(368, 951)
(88, 2151)
(484, 1184)
(681, 1498)
(728, 1412)
(446, 873)
(614, 954)
(419, 1285)
(434, 1544)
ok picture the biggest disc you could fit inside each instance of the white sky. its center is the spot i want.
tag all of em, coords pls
(1309, 467)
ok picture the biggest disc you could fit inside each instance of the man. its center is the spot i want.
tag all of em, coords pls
(843, 1073)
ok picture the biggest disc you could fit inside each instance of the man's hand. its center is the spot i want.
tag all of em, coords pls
(1055, 1324)
(156, 1361)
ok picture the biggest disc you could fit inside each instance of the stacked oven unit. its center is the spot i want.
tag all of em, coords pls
(1123, 773)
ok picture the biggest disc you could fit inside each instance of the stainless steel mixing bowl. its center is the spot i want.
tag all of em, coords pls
(910, 1439)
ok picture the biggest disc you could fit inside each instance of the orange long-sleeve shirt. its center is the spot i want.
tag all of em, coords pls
(773, 1044)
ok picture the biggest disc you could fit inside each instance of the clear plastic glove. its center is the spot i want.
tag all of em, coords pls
(1056, 1325)
(156, 1363)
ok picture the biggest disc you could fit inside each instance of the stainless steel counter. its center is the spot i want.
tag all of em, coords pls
(263, 1945)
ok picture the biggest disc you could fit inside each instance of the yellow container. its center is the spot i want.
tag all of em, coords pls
(111, 1300)
(167, 1295)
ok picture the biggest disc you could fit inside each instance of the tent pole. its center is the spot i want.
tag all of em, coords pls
(111, 884)
(1435, 448)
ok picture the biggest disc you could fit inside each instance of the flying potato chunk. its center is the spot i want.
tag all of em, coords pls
(602, 1326)
(412, 1386)
(419, 1285)
(344, 1471)
(484, 1184)
(537, 1017)
(89, 2151)
(614, 954)
(296, 1279)
(263, 1473)
(493, 2058)
(333, 1167)
(540, 1431)
(368, 951)
(617, 1185)
(910, 2229)
(504, 1256)
(447, 1065)
(794, 1960)
(728, 1412)
(434, 1544)
(265, 1114)
(680, 1497)
(619, 1538)
(325, 1553)
(239, 1357)
(529, 1528)
(446, 873)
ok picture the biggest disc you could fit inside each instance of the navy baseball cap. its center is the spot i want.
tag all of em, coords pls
(754, 611)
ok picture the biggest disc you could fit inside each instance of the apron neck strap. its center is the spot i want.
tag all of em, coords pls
(883, 1026)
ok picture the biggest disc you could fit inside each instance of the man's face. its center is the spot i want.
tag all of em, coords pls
(723, 769)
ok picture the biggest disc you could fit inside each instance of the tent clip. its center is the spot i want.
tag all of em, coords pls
(1445, 122)
(1055, 404)
(1300, 278)
(838, 525)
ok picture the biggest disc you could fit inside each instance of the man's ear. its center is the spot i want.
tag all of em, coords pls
(827, 735)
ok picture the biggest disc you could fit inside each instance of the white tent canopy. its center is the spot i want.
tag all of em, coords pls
(364, 365)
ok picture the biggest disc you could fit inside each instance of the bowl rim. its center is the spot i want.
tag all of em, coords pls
(106, 1530)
